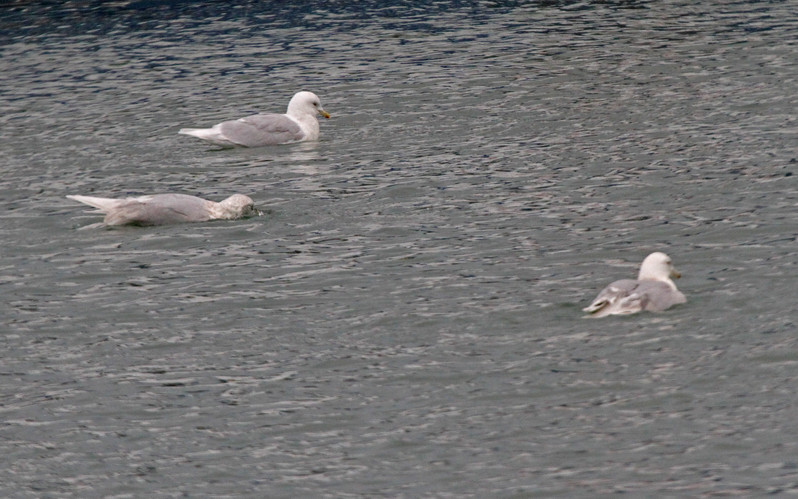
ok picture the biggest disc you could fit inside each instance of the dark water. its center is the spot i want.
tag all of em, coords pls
(404, 320)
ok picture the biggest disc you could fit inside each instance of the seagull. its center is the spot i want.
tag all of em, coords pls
(298, 124)
(653, 290)
(160, 209)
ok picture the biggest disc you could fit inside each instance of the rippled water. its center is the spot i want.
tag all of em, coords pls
(404, 320)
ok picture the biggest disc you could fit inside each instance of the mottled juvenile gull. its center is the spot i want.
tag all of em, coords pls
(162, 209)
(298, 124)
(653, 290)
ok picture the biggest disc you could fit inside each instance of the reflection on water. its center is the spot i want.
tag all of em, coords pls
(404, 318)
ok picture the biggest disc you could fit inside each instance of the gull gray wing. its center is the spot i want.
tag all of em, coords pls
(610, 298)
(629, 296)
(160, 209)
(262, 130)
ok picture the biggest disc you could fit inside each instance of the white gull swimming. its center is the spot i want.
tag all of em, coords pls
(653, 290)
(298, 124)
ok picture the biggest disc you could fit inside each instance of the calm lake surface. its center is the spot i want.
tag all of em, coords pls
(404, 319)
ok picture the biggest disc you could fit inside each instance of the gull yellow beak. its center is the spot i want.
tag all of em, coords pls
(324, 113)
(675, 274)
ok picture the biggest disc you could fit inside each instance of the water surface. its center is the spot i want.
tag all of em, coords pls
(405, 318)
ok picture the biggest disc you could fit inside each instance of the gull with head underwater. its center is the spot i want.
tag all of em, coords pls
(160, 209)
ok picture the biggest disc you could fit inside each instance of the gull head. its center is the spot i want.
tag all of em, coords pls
(236, 206)
(658, 267)
(303, 103)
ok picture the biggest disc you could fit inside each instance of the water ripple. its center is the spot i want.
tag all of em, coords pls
(404, 319)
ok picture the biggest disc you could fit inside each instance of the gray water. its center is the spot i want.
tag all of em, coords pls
(404, 319)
